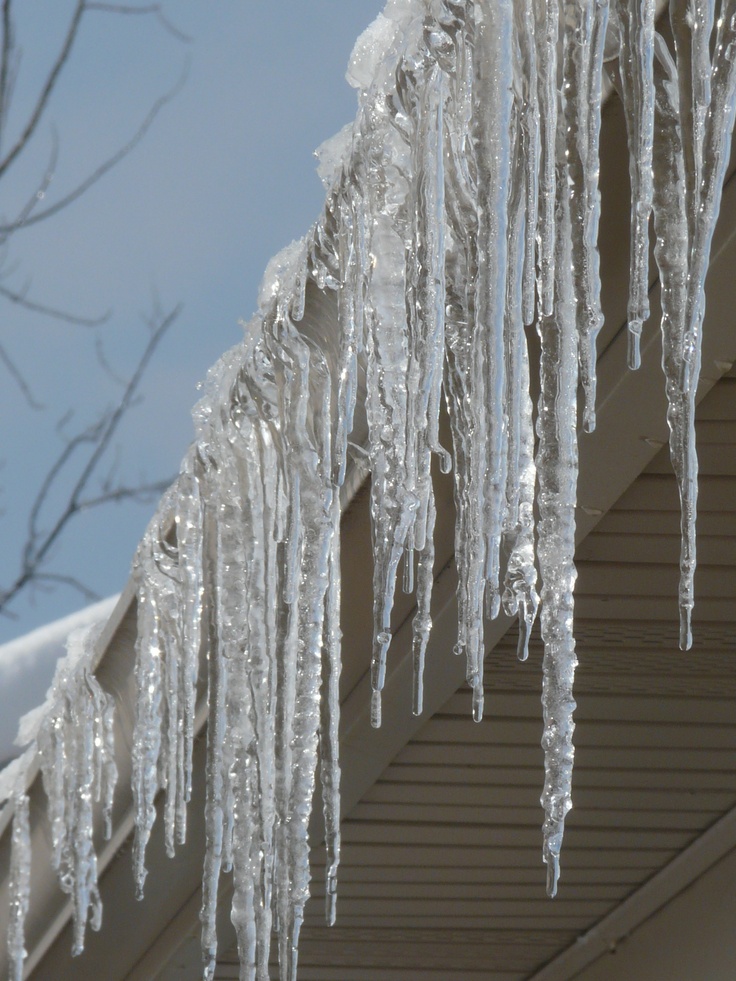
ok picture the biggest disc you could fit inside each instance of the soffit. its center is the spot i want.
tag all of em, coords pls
(441, 864)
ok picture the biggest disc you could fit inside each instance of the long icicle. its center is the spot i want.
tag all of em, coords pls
(557, 468)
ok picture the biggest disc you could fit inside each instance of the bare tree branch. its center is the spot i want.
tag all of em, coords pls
(7, 47)
(151, 8)
(125, 8)
(105, 364)
(144, 494)
(40, 192)
(124, 404)
(87, 436)
(18, 378)
(86, 453)
(69, 318)
(98, 437)
(52, 78)
(89, 594)
(25, 219)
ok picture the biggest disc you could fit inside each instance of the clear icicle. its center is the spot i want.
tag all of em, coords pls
(465, 380)
(147, 734)
(584, 36)
(557, 463)
(636, 33)
(529, 124)
(391, 510)
(520, 594)
(317, 495)
(714, 99)
(189, 540)
(19, 884)
(493, 103)
(385, 157)
(546, 34)
(692, 27)
(215, 777)
(75, 743)
(671, 253)
(422, 624)
(330, 720)
(168, 572)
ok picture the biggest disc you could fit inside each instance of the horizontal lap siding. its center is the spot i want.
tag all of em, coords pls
(441, 861)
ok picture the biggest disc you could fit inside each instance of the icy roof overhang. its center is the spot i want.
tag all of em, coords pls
(149, 934)
(631, 430)
(27, 667)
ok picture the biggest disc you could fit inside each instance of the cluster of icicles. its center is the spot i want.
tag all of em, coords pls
(462, 207)
(71, 736)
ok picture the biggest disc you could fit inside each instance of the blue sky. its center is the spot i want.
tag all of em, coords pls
(225, 178)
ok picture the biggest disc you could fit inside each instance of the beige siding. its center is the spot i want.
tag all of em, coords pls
(442, 873)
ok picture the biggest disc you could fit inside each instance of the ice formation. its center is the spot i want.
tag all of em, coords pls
(71, 735)
(462, 208)
(19, 884)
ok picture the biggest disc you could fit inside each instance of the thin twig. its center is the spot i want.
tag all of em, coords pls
(144, 493)
(25, 221)
(125, 8)
(68, 318)
(5, 53)
(105, 364)
(38, 195)
(17, 376)
(99, 436)
(88, 436)
(72, 581)
(124, 404)
(151, 8)
(35, 117)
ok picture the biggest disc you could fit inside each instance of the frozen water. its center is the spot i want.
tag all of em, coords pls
(77, 758)
(19, 884)
(462, 206)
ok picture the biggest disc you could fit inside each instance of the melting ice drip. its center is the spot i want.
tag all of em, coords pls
(462, 207)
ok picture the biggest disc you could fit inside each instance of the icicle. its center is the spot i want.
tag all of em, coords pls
(147, 732)
(392, 506)
(636, 32)
(330, 720)
(248, 573)
(313, 455)
(520, 595)
(189, 540)
(245, 878)
(557, 463)
(168, 573)
(75, 742)
(465, 378)
(422, 624)
(493, 102)
(351, 310)
(584, 35)
(671, 254)
(530, 148)
(215, 776)
(106, 774)
(692, 27)
(546, 33)
(19, 884)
